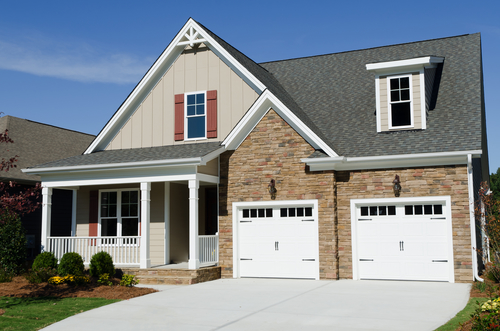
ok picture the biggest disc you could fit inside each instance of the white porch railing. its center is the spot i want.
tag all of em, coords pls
(123, 250)
(208, 250)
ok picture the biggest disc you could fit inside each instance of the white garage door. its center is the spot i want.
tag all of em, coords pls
(278, 241)
(405, 241)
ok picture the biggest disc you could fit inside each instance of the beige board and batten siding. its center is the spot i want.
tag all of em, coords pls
(384, 103)
(152, 123)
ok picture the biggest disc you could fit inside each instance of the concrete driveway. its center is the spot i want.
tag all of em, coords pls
(281, 304)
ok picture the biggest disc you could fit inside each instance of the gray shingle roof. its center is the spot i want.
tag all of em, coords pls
(136, 155)
(338, 94)
(38, 143)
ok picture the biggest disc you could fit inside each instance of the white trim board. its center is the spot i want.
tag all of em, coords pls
(259, 109)
(390, 161)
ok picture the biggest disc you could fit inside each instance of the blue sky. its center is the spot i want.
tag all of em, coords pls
(72, 63)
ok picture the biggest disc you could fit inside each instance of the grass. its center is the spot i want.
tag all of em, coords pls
(36, 313)
(463, 316)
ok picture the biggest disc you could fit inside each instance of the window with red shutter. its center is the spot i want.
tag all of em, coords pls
(179, 117)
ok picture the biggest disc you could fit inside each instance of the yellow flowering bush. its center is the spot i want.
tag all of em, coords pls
(491, 305)
(69, 279)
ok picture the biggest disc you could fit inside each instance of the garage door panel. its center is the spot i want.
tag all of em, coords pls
(403, 246)
(283, 246)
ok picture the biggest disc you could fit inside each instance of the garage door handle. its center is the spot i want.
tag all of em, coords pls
(243, 259)
(439, 260)
(308, 259)
(276, 246)
(366, 259)
(401, 246)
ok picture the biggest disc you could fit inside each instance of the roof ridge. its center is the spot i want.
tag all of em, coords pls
(369, 48)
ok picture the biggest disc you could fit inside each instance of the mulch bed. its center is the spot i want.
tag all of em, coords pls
(20, 287)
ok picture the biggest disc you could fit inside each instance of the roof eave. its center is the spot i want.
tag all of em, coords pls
(390, 161)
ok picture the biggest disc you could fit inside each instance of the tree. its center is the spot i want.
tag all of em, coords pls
(14, 201)
(495, 184)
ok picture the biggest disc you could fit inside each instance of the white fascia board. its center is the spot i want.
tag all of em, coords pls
(117, 166)
(254, 115)
(212, 155)
(390, 161)
(156, 72)
(403, 65)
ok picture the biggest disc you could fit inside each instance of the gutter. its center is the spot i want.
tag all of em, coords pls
(472, 219)
(195, 161)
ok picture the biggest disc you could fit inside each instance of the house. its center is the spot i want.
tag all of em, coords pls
(36, 143)
(357, 165)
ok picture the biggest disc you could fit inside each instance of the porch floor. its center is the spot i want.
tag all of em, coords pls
(174, 274)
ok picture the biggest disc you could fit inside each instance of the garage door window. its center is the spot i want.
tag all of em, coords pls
(258, 213)
(296, 212)
(378, 210)
(423, 209)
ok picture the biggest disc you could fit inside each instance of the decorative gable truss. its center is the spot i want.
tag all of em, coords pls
(403, 92)
(191, 35)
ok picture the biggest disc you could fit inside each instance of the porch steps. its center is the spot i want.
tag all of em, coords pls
(174, 276)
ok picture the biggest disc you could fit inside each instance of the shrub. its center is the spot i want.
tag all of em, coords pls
(492, 272)
(104, 280)
(12, 243)
(45, 260)
(41, 275)
(101, 263)
(71, 264)
(128, 280)
(69, 279)
(486, 316)
(5, 276)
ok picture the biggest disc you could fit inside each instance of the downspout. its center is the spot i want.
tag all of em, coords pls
(472, 218)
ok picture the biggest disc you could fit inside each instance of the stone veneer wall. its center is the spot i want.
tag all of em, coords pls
(274, 150)
(415, 182)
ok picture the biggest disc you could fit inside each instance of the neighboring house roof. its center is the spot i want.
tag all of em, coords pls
(37, 143)
(133, 155)
(338, 94)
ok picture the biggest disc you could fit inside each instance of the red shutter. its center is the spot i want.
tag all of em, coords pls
(93, 214)
(179, 117)
(212, 114)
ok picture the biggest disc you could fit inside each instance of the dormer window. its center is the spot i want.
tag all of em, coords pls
(403, 91)
(400, 102)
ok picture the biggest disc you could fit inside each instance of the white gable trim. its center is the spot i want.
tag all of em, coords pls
(390, 161)
(403, 65)
(254, 115)
(156, 72)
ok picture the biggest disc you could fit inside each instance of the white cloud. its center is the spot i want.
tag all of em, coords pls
(77, 62)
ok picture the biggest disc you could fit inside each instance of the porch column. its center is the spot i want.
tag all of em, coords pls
(46, 212)
(145, 219)
(194, 262)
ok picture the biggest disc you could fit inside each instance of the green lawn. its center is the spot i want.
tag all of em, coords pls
(462, 316)
(35, 313)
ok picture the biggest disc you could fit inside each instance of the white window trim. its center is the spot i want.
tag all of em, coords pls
(118, 210)
(186, 132)
(389, 108)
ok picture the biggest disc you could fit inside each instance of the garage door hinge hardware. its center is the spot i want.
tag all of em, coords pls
(307, 220)
(364, 219)
(308, 259)
(439, 260)
(243, 259)
(401, 246)
(276, 246)
(438, 218)
(245, 221)
(366, 259)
